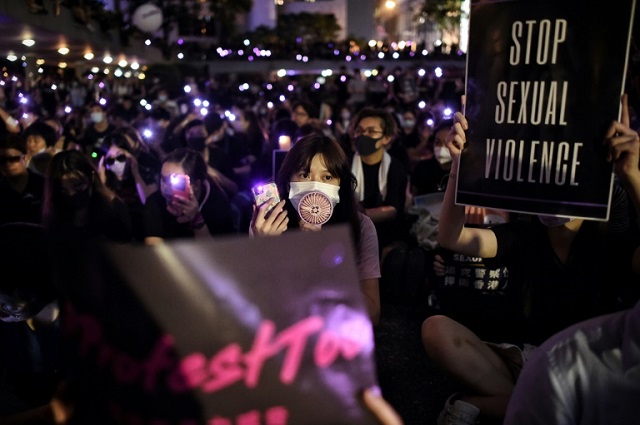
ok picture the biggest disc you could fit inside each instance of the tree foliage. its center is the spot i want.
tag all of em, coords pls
(445, 13)
(296, 29)
(225, 12)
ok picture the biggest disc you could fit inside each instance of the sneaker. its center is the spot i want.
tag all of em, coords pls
(458, 412)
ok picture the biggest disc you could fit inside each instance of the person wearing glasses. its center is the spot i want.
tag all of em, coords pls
(21, 189)
(120, 171)
(381, 179)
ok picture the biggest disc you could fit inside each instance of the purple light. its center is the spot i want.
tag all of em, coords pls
(250, 58)
(180, 41)
(343, 78)
(336, 52)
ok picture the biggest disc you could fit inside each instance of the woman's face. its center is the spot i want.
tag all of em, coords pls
(440, 138)
(317, 173)
(115, 155)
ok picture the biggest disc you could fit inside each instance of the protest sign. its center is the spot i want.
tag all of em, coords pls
(544, 81)
(264, 331)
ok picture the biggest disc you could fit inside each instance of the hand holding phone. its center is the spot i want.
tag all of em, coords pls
(180, 186)
(266, 193)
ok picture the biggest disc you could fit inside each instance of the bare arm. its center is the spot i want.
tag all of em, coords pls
(383, 213)
(623, 146)
(371, 290)
(452, 234)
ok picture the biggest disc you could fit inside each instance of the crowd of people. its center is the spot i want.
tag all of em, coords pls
(129, 163)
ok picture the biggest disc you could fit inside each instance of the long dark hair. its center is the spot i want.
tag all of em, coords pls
(74, 164)
(300, 157)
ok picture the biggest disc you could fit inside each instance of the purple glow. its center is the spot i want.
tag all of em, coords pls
(180, 41)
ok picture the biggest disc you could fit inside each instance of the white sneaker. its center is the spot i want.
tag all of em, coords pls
(458, 413)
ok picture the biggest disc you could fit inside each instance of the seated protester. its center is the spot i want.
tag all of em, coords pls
(31, 360)
(236, 147)
(147, 159)
(158, 123)
(126, 112)
(93, 135)
(587, 373)
(77, 201)
(304, 112)
(218, 162)
(41, 139)
(561, 266)
(432, 174)
(318, 163)
(381, 179)
(120, 172)
(21, 190)
(189, 203)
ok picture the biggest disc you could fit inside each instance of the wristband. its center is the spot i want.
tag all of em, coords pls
(198, 221)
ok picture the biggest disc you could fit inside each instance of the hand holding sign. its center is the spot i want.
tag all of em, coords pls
(624, 147)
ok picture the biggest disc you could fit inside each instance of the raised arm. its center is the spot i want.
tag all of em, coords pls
(451, 231)
(623, 146)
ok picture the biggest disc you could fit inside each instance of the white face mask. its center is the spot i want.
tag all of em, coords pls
(316, 208)
(553, 221)
(442, 154)
(97, 117)
(117, 168)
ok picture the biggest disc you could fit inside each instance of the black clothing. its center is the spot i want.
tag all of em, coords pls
(216, 212)
(25, 206)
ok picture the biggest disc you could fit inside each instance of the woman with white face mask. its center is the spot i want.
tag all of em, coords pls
(316, 186)
(430, 175)
(120, 171)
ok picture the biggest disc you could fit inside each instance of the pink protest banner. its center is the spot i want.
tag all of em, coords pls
(269, 331)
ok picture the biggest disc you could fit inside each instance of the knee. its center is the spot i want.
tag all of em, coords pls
(436, 334)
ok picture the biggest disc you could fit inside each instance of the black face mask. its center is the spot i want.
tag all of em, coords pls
(79, 200)
(196, 143)
(366, 145)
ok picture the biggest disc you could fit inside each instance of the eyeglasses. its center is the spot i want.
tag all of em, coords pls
(120, 158)
(10, 159)
(370, 132)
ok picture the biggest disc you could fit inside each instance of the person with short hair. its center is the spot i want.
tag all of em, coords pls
(318, 162)
(21, 190)
(381, 179)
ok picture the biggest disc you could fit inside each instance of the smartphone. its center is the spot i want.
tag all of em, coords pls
(180, 186)
(266, 193)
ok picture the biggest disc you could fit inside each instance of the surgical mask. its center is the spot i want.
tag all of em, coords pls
(553, 221)
(442, 154)
(184, 108)
(314, 201)
(346, 116)
(409, 123)
(118, 168)
(162, 98)
(97, 117)
(366, 145)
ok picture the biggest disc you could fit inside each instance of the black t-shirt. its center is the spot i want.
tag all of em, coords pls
(558, 295)
(25, 206)
(396, 186)
(93, 139)
(216, 212)
(428, 177)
